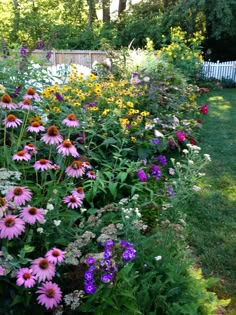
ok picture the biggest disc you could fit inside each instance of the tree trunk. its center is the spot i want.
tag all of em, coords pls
(92, 12)
(122, 6)
(106, 11)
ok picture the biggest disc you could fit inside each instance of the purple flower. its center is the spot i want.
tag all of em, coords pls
(89, 288)
(155, 141)
(90, 260)
(142, 176)
(88, 275)
(48, 55)
(106, 277)
(172, 144)
(17, 91)
(161, 159)
(156, 171)
(23, 51)
(126, 244)
(107, 254)
(170, 191)
(129, 254)
(59, 97)
(109, 243)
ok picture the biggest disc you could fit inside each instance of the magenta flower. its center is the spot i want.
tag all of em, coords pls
(87, 165)
(204, 109)
(26, 104)
(6, 102)
(11, 227)
(79, 192)
(35, 127)
(21, 156)
(72, 201)
(91, 174)
(180, 136)
(55, 255)
(76, 169)
(67, 148)
(31, 214)
(30, 93)
(52, 136)
(50, 295)
(142, 176)
(42, 269)
(30, 148)
(19, 195)
(11, 121)
(42, 165)
(2, 271)
(25, 277)
(71, 121)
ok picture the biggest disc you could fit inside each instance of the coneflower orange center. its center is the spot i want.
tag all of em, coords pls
(2, 202)
(6, 99)
(55, 253)
(27, 101)
(26, 276)
(50, 293)
(32, 211)
(71, 117)
(30, 145)
(43, 161)
(67, 143)
(44, 264)
(9, 222)
(30, 91)
(35, 124)
(72, 199)
(80, 189)
(76, 164)
(53, 131)
(21, 153)
(11, 117)
(18, 191)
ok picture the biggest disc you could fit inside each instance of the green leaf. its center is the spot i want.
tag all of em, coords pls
(113, 189)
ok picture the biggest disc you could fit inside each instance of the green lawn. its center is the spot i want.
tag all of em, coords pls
(212, 215)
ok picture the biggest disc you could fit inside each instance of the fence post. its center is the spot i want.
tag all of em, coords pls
(217, 69)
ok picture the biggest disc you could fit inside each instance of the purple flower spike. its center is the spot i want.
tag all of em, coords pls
(89, 288)
(129, 254)
(106, 277)
(142, 176)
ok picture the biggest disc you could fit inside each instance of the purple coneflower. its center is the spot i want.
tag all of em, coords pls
(79, 192)
(55, 255)
(50, 295)
(19, 195)
(71, 121)
(42, 269)
(76, 169)
(30, 148)
(11, 226)
(26, 104)
(21, 156)
(31, 214)
(72, 201)
(91, 174)
(25, 277)
(66, 148)
(6, 102)
(30, 93)
(11, 121)
(52, 136)
(42, 165)
(35, 127)
(87, 165)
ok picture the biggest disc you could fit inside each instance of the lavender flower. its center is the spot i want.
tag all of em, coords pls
(89, 288)
(107, 277)
(129, 254)
(155, 141)
(156, 171)
(142, 176)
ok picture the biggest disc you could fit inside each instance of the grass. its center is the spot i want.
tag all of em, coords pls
(212, 215)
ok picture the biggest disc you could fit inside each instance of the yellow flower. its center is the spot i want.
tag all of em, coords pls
(144, 114)
(133, 139)
(92, 77)
(134, 123)
(105, 112)
(56, 109)
(130, 104)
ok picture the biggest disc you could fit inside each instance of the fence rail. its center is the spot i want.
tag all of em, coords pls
(219, 70)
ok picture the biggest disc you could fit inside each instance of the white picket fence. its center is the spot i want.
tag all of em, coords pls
(219, 70)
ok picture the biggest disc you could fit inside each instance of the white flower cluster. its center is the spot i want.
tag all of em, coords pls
(130, 212)
(7, 179)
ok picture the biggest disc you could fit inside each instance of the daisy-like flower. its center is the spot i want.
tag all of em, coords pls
(19, 195)
(11, 226)
(25, 277)
(42, 269)
(87, 165)
(35, 127)
(50, 295)
(30, 148)
(76, 169)
(42, 165)
(79, 191)
(30, 93)
(55, 255)
(11, 121)
(3, 207)
(67, 148)
(31, 214)
(21, 156)
(91, 174)
(6, 102)
(71, 121)
(52, 136)
(72, 201)
(26, 104)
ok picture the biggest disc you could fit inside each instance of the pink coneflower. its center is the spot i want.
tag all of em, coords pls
(91, 175)
(2, 271)
(11, 121)
(31, 214)
(67, 148)
(25, 277)
(3, 207)
(71, 121)
(11, 227)
(72, 201)
(55, 255)
(42, 165)
(50, 295)
(30, 93)
(30, 148)
(52, 136)
(19, 195)
(76, 169)
(180, 135)
(87, 165)
(6, 102)
(21, 156)
(42, 269)
(35, 127)
(26, 104)
(79, 192)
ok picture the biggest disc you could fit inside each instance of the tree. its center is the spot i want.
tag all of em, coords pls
(122, 6)
(106, 11)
